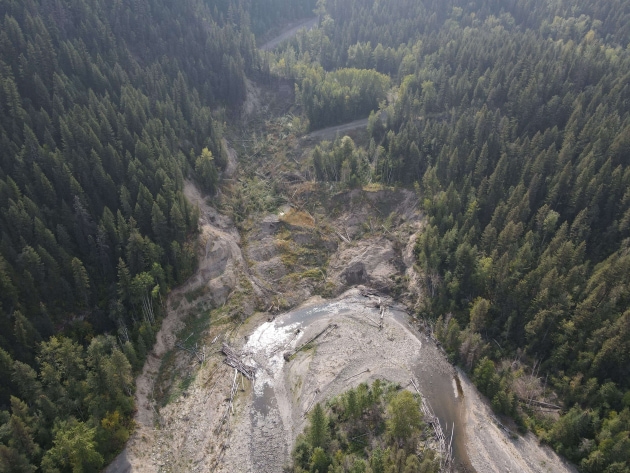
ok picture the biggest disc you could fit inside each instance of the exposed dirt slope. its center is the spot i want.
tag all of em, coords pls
(221, 272)
(492, 450)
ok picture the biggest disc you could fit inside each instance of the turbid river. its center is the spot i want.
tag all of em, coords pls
(443, 392)
(437, 380)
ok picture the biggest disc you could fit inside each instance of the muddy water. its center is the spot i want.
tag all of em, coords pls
(437, 379)
(443, 391)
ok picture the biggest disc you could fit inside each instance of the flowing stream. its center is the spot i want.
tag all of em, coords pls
(437, 380)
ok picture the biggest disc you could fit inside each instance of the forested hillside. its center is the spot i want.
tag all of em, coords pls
(512, 119)
(105, 107)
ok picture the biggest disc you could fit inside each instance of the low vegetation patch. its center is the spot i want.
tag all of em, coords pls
(297, 218)
(176, 374)
(195, 294)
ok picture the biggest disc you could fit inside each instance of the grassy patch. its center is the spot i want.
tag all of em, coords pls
(301, 257)
(164, 379)
(177, 389)
(185, 383)
(297, 385)
(289, 253)
(375, 187)
(326, 290)
(306, 348)
(297, 218)
(314, 274)
(176, 302)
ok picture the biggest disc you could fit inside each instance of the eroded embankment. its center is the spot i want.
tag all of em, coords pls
(173, 436)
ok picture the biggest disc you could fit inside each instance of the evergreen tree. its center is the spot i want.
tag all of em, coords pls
(318, 434)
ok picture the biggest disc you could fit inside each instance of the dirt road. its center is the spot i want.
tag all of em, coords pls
(289, 32)
(332, 131)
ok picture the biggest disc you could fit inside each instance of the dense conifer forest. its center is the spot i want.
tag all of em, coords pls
(105, 108)
(510, 119)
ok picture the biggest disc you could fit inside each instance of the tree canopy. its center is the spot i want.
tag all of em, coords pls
(512, 121)
(105, 108)
(367, 429)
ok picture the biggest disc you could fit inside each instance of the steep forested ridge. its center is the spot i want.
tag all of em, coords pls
(513, 121)
(104, 109)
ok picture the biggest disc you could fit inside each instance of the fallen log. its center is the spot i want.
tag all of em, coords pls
(201, 357)
(343, 238)
(355, 375)
(289, 354)
(540, 404)
(373, 322)
(444, 448)
(230, 406)
(503, 427)
(233, 359)
(311, 403)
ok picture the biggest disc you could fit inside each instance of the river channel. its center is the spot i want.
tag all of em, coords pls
(361, 346)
